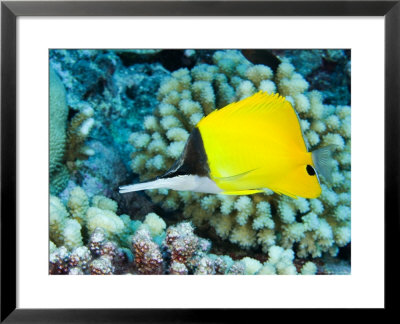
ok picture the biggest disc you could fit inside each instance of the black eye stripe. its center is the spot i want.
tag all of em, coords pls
(310, 170)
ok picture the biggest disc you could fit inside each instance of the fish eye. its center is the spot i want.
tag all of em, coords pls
(310, 170)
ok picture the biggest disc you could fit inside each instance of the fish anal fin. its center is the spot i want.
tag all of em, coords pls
(242, 192)
(284, 192)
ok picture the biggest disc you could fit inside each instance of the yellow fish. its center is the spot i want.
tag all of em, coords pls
(244, 148)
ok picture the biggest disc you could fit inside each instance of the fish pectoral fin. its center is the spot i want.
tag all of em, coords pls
(242, 192)
(234, 177)
(284, 192)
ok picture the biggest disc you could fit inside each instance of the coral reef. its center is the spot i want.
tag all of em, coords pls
(66, 138)
(311, 227)
(117, 111)
(106, 100)
(89, 238)
(326, 70)
(119, 95)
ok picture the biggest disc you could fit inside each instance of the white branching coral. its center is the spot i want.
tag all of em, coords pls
(78, 130)
(78, 204)
(309, 268)
(251, 266)
(104, 218)
(69, 224)
(280, 261)
(104, 203)
(310, 227)
(155, 224)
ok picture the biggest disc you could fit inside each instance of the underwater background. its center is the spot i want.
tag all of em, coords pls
(122, 116)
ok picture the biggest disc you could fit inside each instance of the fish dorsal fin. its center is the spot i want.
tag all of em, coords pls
(259, 103)
(254, 117)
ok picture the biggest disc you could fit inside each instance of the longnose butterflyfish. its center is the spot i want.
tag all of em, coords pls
(245, 148)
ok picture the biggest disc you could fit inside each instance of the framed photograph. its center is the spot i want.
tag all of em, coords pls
(193, 155)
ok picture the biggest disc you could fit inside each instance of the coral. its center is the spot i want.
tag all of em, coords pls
(58, 111)
(189, 254)
(66, 139)
(309, 227)
(72, 233)
(58, 217)
(104, 203)
(97, 239)
(81, 224)
(101, 266)
(106, 99)
(82, 218)
(155, 224)
(98, 82)
(78, 131)
(99, 174)
(280, 261)
(148, 258)
(105, 243)
(252, 266)
(236, 269)
(105, 219)
(205, 266)
(223, 263)
(181, 242)
(309, 269)
(78, 204)
(177, 268)
(80, 258)
(58, 261)
(148, 247)
(325, 70)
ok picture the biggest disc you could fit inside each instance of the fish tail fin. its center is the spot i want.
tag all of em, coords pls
(322, 159)
(153, 184)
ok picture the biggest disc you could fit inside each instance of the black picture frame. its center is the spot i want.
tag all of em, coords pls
(11, 10)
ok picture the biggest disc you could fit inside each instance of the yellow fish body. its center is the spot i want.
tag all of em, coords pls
(244, 148)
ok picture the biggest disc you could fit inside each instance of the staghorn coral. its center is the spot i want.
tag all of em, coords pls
(310, 227)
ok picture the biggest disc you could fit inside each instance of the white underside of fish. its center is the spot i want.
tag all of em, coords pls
(183, 182)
